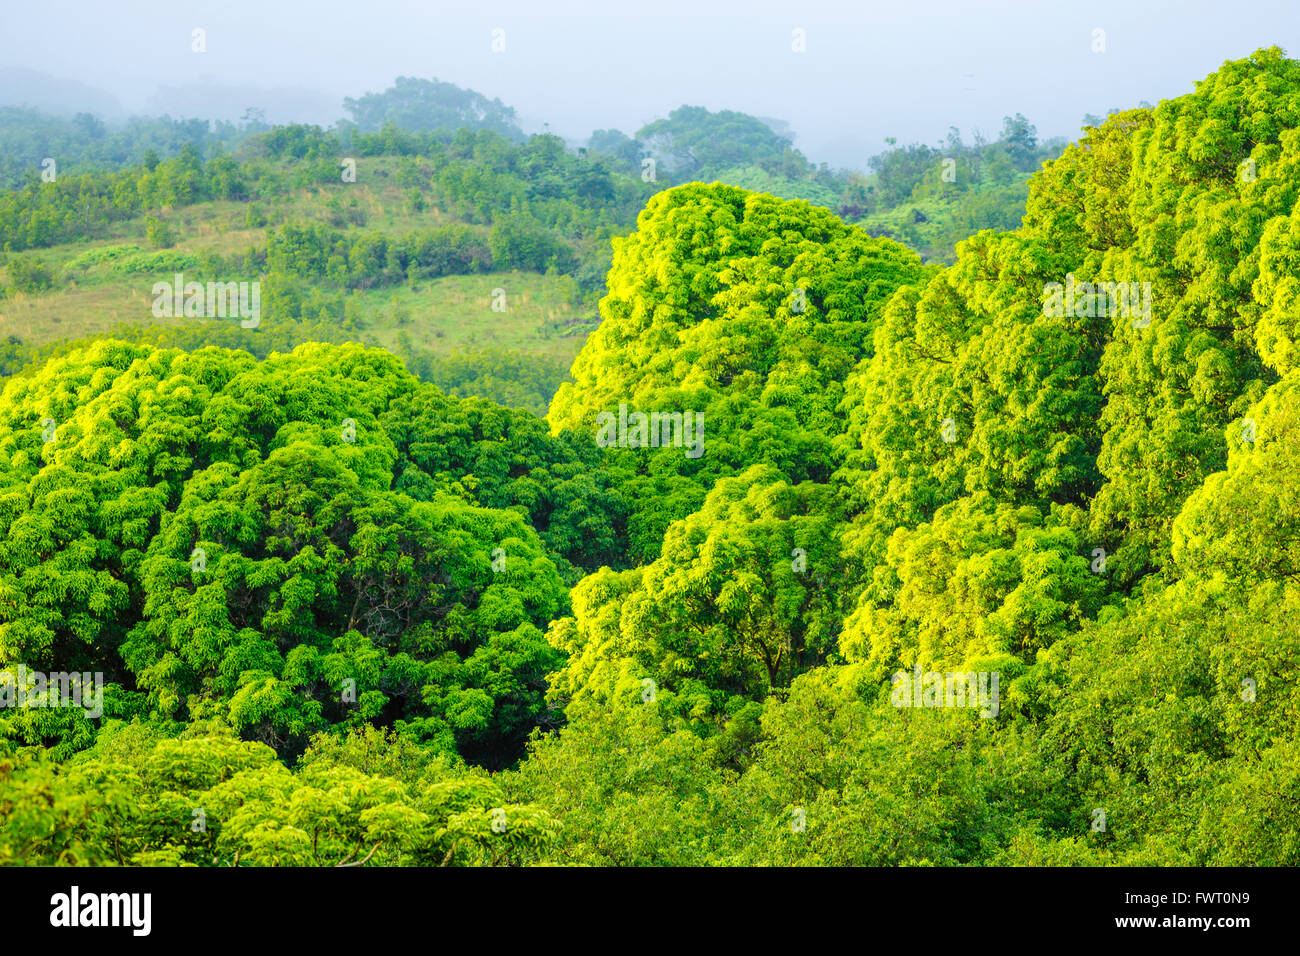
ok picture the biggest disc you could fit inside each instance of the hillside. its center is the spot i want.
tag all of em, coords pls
(453, 243)
(821, 554)
(415, 258)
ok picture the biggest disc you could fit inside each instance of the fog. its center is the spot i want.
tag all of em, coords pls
(867, 71)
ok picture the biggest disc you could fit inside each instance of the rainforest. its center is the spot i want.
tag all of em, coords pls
(533, 505)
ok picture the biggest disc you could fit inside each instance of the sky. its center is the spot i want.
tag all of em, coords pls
(868, 70)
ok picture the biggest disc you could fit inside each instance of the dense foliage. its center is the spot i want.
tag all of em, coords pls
(344, 616)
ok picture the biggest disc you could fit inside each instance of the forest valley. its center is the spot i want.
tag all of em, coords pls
(432, 628)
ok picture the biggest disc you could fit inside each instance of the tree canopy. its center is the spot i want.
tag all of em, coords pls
(823, 556)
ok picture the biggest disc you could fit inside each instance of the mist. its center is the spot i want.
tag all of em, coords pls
(861, 75)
